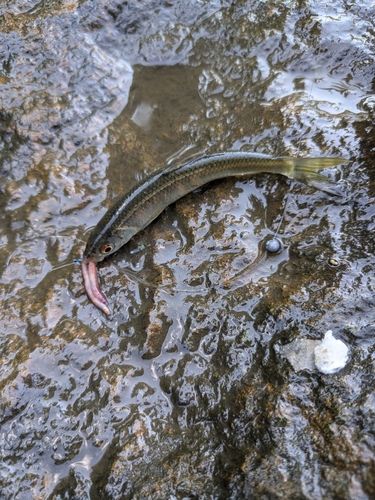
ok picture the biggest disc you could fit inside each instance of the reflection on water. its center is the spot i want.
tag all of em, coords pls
(185, 392)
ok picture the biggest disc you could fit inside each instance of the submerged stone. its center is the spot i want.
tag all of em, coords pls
(300, 354)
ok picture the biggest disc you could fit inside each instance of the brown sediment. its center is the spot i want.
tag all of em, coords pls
(92, 287)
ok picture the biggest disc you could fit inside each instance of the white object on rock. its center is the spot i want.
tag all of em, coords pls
(331, 354)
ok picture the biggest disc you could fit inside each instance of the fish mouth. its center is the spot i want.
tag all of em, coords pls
(92, 287)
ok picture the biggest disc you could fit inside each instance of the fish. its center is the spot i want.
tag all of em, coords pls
(139, 206)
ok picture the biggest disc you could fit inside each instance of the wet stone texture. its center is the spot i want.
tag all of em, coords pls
(187, 391)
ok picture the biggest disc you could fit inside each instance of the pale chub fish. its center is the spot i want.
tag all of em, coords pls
(134, 210)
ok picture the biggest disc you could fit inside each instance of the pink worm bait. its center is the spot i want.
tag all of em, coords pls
(92, 287)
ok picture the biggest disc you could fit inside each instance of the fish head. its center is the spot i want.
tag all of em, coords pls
(101, 246)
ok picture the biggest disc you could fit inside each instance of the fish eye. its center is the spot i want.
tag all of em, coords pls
(107, 248)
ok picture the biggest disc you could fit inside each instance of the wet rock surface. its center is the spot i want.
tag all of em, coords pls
(186, 391)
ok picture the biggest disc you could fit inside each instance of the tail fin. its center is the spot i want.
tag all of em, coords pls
(305, 170)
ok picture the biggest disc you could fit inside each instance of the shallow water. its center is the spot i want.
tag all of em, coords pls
(186, 391)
